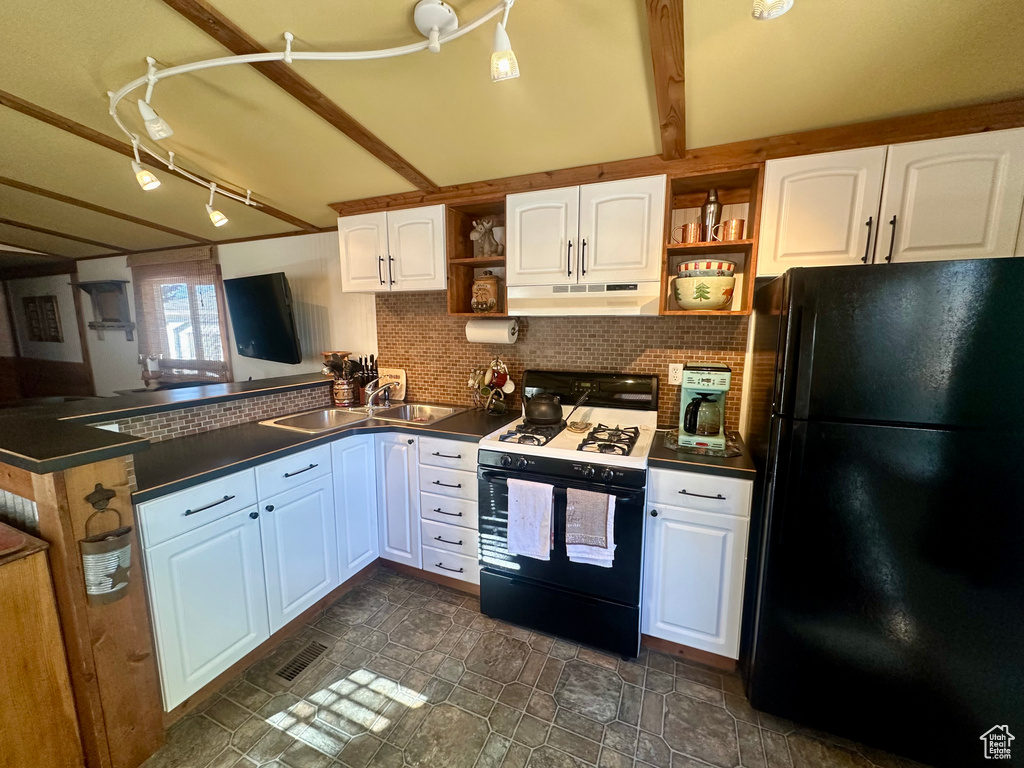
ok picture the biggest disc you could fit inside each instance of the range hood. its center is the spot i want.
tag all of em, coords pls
(590, 299)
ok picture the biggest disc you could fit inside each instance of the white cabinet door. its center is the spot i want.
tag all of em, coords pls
(300, 548)
(363, 241)
(541, 231)
(817, 209)
(355, 503)
(416, 249)
(398, 504)
(622, 228)
(694, 564)
(208, 596)
(957, 198)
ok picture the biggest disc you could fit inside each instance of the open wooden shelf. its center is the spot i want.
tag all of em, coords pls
(493, 261)
(714, 247)
(462, 266)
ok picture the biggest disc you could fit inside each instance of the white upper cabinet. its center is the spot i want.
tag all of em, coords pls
(393, 250)
(820, 210)
(416, 249)
(957, 198)
(355, 502)
(597, 233)
(622, 227)
(541, 231)
(364, 250)
(398, 501)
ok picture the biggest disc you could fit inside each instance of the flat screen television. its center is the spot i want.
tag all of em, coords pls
(261, 318)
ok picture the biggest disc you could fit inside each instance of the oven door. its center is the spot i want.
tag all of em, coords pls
(620, 583)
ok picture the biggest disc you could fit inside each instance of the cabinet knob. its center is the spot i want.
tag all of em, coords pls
(254, 515)
(654, 513)
(411, 441)
(270, 507)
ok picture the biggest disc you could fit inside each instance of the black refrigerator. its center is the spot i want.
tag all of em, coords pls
(889, 583)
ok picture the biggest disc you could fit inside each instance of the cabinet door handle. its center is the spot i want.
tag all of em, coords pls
(391, 277)
(254, 515)
(456, 543)
(583, 258)
(300, 471)
(892, 238)
(453, 570)
(447, 485)
(270, 507)
(867, 248)
(411, 441)
(380, 272)
(717, 496)
(568, 260)
(654, 513)
(450, 514)
(446, 455)
(208, 506)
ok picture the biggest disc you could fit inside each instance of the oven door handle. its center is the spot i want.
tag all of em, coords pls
(621, 494)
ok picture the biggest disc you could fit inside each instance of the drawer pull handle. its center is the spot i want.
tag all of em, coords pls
(448, 485)
(299, 472)
(208, 506)
(654, 513)
(456, 543)
(450, 514)
(718, 497)
(453, 570)
(446, 455)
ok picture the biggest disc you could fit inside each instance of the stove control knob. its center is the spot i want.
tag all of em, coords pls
(522, 463)
(589, 472)
(505, 460)
(607, 475)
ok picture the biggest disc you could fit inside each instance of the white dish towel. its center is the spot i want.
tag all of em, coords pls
(529, 518)
(603, 557)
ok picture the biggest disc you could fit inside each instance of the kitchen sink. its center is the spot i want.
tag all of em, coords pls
(414, 413)
(317, 422)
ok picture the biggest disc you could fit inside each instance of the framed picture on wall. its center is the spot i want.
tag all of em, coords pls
(42, 320)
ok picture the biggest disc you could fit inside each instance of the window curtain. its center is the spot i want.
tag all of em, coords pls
(179, 303)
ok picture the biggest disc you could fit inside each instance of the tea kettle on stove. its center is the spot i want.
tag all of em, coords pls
(544, 409)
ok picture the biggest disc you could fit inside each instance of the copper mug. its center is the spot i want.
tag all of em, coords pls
(732, 229)
(690, 232)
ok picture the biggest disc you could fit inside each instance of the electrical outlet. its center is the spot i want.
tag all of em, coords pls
(675, 374)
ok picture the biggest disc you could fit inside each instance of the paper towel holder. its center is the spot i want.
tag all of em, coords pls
(513, 329)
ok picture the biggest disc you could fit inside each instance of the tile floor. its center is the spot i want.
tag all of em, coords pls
(416, 677)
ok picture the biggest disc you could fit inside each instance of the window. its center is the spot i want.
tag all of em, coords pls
(180, 308)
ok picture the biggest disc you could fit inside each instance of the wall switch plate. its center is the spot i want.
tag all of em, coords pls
(675, 374)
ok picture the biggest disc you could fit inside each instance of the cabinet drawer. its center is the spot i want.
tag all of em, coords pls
(291, 471)
(444, 509)
(452, 454)
(693, 490)
(451, 538)
(448, 482)
(451, 565)
(177, 513)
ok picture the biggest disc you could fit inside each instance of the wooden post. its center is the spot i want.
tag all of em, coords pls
(109, 647)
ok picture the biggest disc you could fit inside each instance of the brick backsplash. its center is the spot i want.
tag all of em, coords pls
(414, 332)
(168, 425)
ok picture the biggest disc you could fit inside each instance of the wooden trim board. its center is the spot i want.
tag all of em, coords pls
(665, 28)
(706, 658)
(436, 578)
(65, 236)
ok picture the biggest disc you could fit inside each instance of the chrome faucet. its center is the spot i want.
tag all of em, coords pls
(372, 392)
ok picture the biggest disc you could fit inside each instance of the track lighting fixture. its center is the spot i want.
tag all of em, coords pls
(766, 10)
(146, 178)
(503, 61)
(156, 126)
(218, 218)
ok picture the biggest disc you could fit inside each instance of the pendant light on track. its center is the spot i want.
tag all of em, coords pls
(146, 178)
(218, 218)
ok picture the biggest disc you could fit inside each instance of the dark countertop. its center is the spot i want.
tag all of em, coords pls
(172, 465)
(49, 438)
(663, 457)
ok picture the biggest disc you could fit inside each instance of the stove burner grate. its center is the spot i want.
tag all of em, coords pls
(618, 441)
(531, 434)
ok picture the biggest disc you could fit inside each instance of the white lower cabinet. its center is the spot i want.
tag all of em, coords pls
(694, 566)
(300, 548)
(398, 498)
(209, 602)
(355, 503)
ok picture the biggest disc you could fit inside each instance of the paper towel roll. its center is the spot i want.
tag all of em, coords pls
(493, 331)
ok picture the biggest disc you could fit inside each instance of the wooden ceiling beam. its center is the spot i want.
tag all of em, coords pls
(979, 118)
(665, 28)
(33, 251)
(64, 235)
(235, 39)
(15, 184)
(96, 137)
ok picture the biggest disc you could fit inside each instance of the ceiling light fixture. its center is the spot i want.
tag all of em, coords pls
(218, 218)
(146, 178)
(766, 10)
(435, 19)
